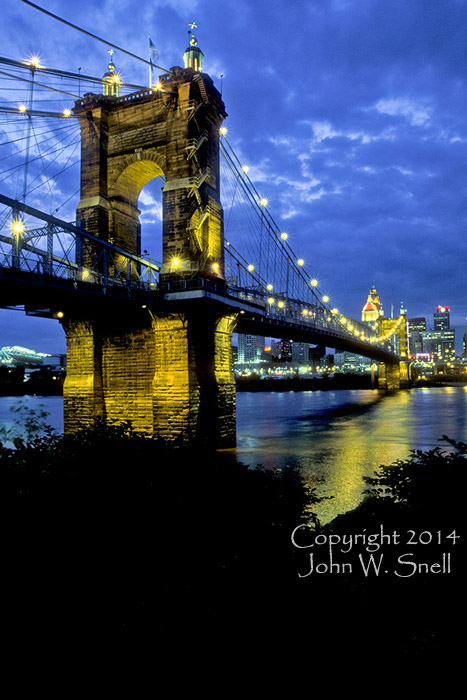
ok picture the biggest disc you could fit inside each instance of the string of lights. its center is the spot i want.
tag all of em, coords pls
(289, 266)
(241, 192)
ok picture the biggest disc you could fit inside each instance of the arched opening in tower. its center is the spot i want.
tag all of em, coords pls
(150, 206)
(136, 200)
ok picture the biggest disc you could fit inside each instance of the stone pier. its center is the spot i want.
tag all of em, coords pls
(393, 377)
(169, 375)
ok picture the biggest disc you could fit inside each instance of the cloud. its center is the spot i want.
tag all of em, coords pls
(323, 130)
(151, 215)
(417, 113)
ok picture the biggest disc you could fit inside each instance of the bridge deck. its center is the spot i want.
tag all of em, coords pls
(47, 295)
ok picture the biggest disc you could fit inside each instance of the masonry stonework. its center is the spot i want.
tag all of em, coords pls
(194, 386)
(171, 133)
(82, 391)
(394, 377)
(168, 374)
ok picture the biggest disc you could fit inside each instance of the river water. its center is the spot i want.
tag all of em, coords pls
(334, 437)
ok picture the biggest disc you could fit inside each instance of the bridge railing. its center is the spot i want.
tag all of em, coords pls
(64, 250)
(75, 273)
(294, 310)
(188, 285)
(299, 313)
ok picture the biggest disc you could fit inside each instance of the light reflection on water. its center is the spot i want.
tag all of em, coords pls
(333, 437)
(336, 438)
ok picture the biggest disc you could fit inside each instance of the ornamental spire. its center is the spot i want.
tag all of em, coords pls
(193, 39)
(193, 56)
(111, 80)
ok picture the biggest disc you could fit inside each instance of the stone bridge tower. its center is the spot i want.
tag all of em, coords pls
(395, 376)
(127, 141)
(168, 372)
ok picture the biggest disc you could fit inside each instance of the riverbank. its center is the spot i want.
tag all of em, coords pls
(41, 382)
(338, 381)
(135, 545)
(50, 383)
(443, 380)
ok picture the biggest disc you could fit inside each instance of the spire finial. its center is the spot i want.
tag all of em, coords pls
(193, 56)
(193, 39)
(111, 65)
(111, 80)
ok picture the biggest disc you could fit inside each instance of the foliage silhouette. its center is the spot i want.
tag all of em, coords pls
(422, 499)
(113, 536)
(113, 539)
(422, 482)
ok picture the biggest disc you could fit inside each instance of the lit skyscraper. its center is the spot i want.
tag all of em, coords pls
(441, 320)
(441, 344)
(441, 341)
(300, 353)
(417, 326)
(373, 308)
(250, 348)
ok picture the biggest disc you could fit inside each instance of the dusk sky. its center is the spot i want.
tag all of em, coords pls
(349, 113)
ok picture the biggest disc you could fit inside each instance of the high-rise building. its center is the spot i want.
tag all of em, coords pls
(465, 341)
(441, 341)
(348, 361)
(441, 344)
(250, 348)
(417, 326)
(373, 308)
(316, 354)
(441, 320)
(327, 361)
(282, 349)
(300, 353)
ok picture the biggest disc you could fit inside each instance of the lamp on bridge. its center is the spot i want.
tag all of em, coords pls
(18, 227)
(35, 62)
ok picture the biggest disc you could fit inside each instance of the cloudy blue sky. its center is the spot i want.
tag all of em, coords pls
(350, 114)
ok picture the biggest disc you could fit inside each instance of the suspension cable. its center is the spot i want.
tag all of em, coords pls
(93, 36)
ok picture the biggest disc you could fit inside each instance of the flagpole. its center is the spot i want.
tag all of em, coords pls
(150, 61)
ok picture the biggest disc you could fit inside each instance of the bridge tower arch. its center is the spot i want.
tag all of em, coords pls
(167, 372)
(126, 141)
(124, 193)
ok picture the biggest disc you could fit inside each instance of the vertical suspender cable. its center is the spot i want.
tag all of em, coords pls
(28, 135)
